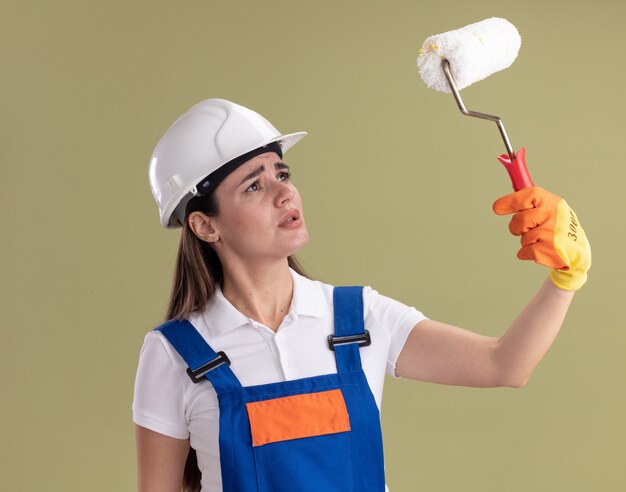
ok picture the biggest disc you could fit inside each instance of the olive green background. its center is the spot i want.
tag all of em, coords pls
(397, 188)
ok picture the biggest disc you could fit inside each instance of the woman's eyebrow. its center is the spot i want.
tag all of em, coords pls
(259, 170)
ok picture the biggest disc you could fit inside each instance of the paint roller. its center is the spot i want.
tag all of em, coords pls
(456, 59)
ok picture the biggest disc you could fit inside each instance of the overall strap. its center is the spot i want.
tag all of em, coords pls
(350, 333)
(202, 360)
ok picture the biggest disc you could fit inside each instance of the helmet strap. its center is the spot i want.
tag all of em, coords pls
(211, 182)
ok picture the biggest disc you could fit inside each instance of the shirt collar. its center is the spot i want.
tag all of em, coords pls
(309, 298)
(220, 316)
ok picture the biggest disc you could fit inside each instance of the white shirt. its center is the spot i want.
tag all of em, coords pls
(168, 402)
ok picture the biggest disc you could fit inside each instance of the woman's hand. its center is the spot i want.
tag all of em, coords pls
(551, 234)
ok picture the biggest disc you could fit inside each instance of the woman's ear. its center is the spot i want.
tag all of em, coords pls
(203, 227)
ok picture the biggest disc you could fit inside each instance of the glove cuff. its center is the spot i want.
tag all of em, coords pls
(568, 279)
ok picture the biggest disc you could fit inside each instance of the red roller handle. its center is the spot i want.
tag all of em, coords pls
(517, 170)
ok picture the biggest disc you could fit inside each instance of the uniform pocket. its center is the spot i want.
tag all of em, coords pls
(302, 442)
(297, 416)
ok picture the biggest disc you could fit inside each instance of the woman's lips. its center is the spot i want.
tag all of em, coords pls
(290, 218)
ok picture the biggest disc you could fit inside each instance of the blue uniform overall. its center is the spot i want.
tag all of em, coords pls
(312, 434)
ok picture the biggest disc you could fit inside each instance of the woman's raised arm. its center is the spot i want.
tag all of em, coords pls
(442, 353)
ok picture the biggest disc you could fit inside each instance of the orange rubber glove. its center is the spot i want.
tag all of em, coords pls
(551, 234)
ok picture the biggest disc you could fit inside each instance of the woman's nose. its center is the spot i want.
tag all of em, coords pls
(285, 192)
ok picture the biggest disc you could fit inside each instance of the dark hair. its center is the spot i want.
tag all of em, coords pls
(198, 270)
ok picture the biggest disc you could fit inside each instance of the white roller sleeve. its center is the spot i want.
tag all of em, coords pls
(474, 52)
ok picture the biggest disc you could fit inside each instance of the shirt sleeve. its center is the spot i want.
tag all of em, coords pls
(395, 319)
(159, 399)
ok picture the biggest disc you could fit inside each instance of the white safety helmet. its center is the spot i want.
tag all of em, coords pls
(207, 136)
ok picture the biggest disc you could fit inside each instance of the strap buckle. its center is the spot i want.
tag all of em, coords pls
(363, 340)
(198, 374)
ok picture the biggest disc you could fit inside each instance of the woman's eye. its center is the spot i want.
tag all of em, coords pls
(254, 185)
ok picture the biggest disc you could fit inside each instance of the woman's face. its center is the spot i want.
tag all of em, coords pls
(254, 202)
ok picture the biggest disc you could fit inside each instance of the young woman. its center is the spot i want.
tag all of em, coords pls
(263, 379)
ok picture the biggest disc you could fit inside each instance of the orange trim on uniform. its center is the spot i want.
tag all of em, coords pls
(297, 416)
